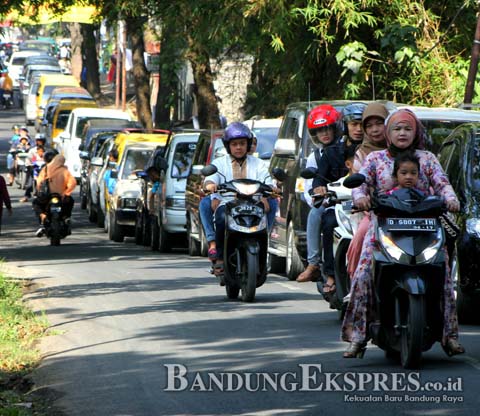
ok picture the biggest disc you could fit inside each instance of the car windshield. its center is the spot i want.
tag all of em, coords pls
(135, 160)
(266, 138)
(437, 131)
(84, 123)
(182, 159)
(62, 119)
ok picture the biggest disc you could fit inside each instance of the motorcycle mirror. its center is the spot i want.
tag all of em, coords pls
(279, 174)
(209, 170)
(354, 181)
(308, 173)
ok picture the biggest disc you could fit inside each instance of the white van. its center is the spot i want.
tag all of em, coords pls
(69, 140)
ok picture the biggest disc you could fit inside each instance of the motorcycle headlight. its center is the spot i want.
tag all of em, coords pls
(473, 227)
(55, 200)
(246, 188)
(431, 251)
(345, 220)
(392, 249)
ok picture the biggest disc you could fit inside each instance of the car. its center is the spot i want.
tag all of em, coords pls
(69, 141)
(30, 101)
(209, 146)
(37, 45)
(266, 132)
(29, 71)
(15, 66)
(167, 212)
(460, 157)
(48, 82)
(134, 150)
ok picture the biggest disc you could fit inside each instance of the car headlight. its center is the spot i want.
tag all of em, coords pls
(392, 249)
(473, 227)
(431, 251)
(128, 202)
(175, 203)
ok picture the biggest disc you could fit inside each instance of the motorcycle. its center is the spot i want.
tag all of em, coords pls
(21, 169)
(246, 235)
(408, 273)
(340, 198)
(57, 226)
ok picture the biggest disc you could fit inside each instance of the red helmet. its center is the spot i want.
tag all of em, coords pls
(323, 116)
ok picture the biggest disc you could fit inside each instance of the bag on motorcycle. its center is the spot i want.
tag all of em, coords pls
(450, 226)
(43, 192)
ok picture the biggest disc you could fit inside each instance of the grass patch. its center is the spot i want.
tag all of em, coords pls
(20, 328)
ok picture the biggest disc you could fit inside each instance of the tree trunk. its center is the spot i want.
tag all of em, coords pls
(167, 91)
(90, 60)
(208, 113)
(76, 49)
(141, 76)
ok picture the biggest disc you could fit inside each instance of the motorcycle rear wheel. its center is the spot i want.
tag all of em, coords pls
(249, 279)
(413, 322)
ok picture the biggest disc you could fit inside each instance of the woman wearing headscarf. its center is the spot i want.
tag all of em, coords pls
(404, 132)
(373, 122)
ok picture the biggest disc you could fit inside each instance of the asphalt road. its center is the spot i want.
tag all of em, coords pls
(122, 316)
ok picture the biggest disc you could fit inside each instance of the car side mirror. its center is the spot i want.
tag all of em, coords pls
(97, 161)
(84, 155)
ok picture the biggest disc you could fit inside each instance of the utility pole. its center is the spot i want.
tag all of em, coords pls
(472, 72)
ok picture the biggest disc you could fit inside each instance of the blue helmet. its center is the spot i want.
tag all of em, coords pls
(237, 130)
(352, 112)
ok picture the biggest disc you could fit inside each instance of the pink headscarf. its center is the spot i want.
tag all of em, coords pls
(408, 117)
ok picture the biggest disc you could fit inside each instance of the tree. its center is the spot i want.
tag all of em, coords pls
(135, 26)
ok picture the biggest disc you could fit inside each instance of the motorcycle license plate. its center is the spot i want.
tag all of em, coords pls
(55, 209)
(411, 224)
(347, 205)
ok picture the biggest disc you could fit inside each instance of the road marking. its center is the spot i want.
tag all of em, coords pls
(287, 286)
(473, 362)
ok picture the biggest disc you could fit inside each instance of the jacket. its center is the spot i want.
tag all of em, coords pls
(61, 181)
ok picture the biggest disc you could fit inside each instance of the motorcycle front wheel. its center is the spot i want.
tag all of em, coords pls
(55, 232)
(249, 276)
(413, 322)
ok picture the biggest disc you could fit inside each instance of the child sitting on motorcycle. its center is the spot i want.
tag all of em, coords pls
(237, 164)
(406, 170)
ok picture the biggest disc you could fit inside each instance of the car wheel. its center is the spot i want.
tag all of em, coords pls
(203, 243)
(154, 234)
(83, 198)
(92, 213)
(115, 231)
(294, 264)
(193, 245)
(163, 236)
(139, 227)
(275, 264)
(100, 217)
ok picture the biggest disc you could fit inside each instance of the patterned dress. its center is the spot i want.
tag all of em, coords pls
(378, 168)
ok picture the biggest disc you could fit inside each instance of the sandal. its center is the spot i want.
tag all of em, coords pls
(218, 271)
(212, 254)
(453, 347)
(355, 350)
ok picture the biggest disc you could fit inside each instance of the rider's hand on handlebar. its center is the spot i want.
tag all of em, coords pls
(452, 205)
(320, 191)
(363, 204)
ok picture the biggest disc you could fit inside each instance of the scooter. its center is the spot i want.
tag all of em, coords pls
(408, 273)
(57, 226)
(21, 170)
(340, 198)
(246, 235)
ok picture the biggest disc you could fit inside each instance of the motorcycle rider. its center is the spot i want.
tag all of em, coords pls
(404, 132)
(331, 168)
(236, 164)
(60, 181)
(40, 141)
(324, 126)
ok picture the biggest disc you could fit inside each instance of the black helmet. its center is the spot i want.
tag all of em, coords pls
(237, 130)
